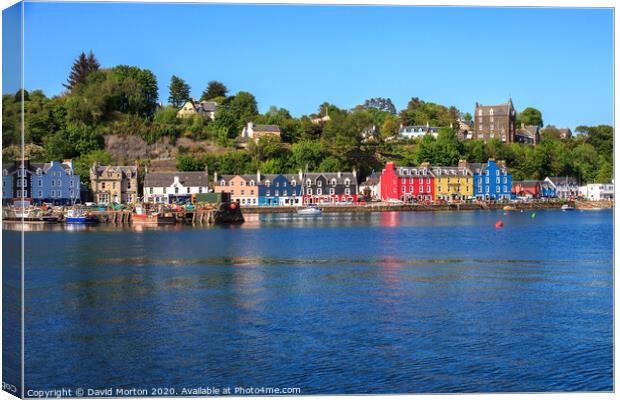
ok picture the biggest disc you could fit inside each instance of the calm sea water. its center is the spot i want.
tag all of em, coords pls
(349, 303)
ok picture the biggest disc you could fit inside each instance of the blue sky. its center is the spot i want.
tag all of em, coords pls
(557, 60)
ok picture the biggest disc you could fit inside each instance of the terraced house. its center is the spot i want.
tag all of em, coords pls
(242, 188)
(329, 187)
(454, 183)
(492, 180)
(280, 190)
(54, 182)
(174, 187)
(407, 183)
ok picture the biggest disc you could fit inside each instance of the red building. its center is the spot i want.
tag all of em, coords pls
(407, 183)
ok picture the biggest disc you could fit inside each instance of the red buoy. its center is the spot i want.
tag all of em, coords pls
(499, 224)
(233, 206)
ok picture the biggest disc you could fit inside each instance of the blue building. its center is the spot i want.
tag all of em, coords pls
(279, 190)
(492, 181)
(54, 182)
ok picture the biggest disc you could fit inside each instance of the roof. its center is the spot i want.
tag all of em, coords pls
(129, 171)
(208, 106)
(528, 130)
(339, 176)
(414, 171)
(165, 179)
(451, 171)
(558, 180)
(267, 128)
(498, 109)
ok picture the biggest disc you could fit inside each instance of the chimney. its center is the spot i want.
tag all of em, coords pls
(339, 174)
(389, 166)
(215, 177)
(522, 125)
(354, 173)
(257, 177)
(425, 164)
(463, 164)
(301, 175)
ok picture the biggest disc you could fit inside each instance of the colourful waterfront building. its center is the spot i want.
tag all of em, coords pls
(454, 183)
(534, 189)
(492, 180)
(242, 188)
(280, 190)
(329, 187)
(54, 182)
(407, 183)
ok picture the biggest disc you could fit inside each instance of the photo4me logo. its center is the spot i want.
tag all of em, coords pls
(9, 387)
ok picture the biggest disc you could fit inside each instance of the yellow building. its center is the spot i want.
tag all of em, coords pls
(454, 183)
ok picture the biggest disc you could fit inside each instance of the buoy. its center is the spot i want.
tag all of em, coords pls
(533, 215)
(499, 224)
(233, 206)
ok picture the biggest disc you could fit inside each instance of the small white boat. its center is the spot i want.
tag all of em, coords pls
(310, 210)
(566, 207)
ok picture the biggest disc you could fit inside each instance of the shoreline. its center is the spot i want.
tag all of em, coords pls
(425, 208)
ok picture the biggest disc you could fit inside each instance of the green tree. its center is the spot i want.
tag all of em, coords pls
(530, 116)
(213, 90)
(179, 91)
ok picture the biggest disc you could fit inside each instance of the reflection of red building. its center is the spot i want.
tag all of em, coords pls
(407, 183)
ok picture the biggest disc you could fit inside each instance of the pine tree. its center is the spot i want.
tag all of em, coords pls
(214, 89)
(82, 67)
(179, 91)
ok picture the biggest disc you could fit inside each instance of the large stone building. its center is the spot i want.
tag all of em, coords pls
(174, 187)
(495, 122)
(112, 183)
(191, 107)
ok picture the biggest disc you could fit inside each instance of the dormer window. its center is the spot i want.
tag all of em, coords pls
(293, 183)
(491, 111)
(308, 183)
(252, 183)
(39, 172)
(267, 183)
(333, 182)
(5, 172)
(347, 182)
(222, 182)
(319, 183)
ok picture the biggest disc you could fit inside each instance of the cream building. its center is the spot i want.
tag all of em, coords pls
(117, 184)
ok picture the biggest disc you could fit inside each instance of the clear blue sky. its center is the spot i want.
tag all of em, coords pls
(557, 60)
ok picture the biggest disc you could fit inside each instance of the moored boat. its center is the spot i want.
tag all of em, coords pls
(567, 207)
(142, 216)
(77, 216)
(310, 210)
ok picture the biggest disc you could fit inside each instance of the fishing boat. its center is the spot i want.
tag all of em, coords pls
(77, 216)
(509, 208)
(142, 216)
(310, 210)
(566, 207)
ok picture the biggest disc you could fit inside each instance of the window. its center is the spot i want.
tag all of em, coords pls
(487, 189)
(497, 181)
(39, 172)
(497, 189)
(165, 190)
(404, 189)
(241, 183)
(294, 183)
(187, 190)
(200, 189)
(333, 182)
(222, 182)
(319, 191)
(285, 193)
(267, 183)
(283, 184)
(497, 172)
(277, 185)
(252, 183)
(308, 183)
(40, 193)
(505, 180)
(176, 190)
(428, 189)
(151, 190)
(347, 191)
(252, 192)
(310, 192)
(242, 192)
(332, 191)
(347, 182)
(487, 180)
(71, 183)
(428, 180)
(268, 193)
(319, 183)
(54, 183)
(277, 193)
(505, 188)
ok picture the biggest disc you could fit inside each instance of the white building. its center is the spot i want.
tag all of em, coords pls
(172, 187)
(597, 191)
(415, 131)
